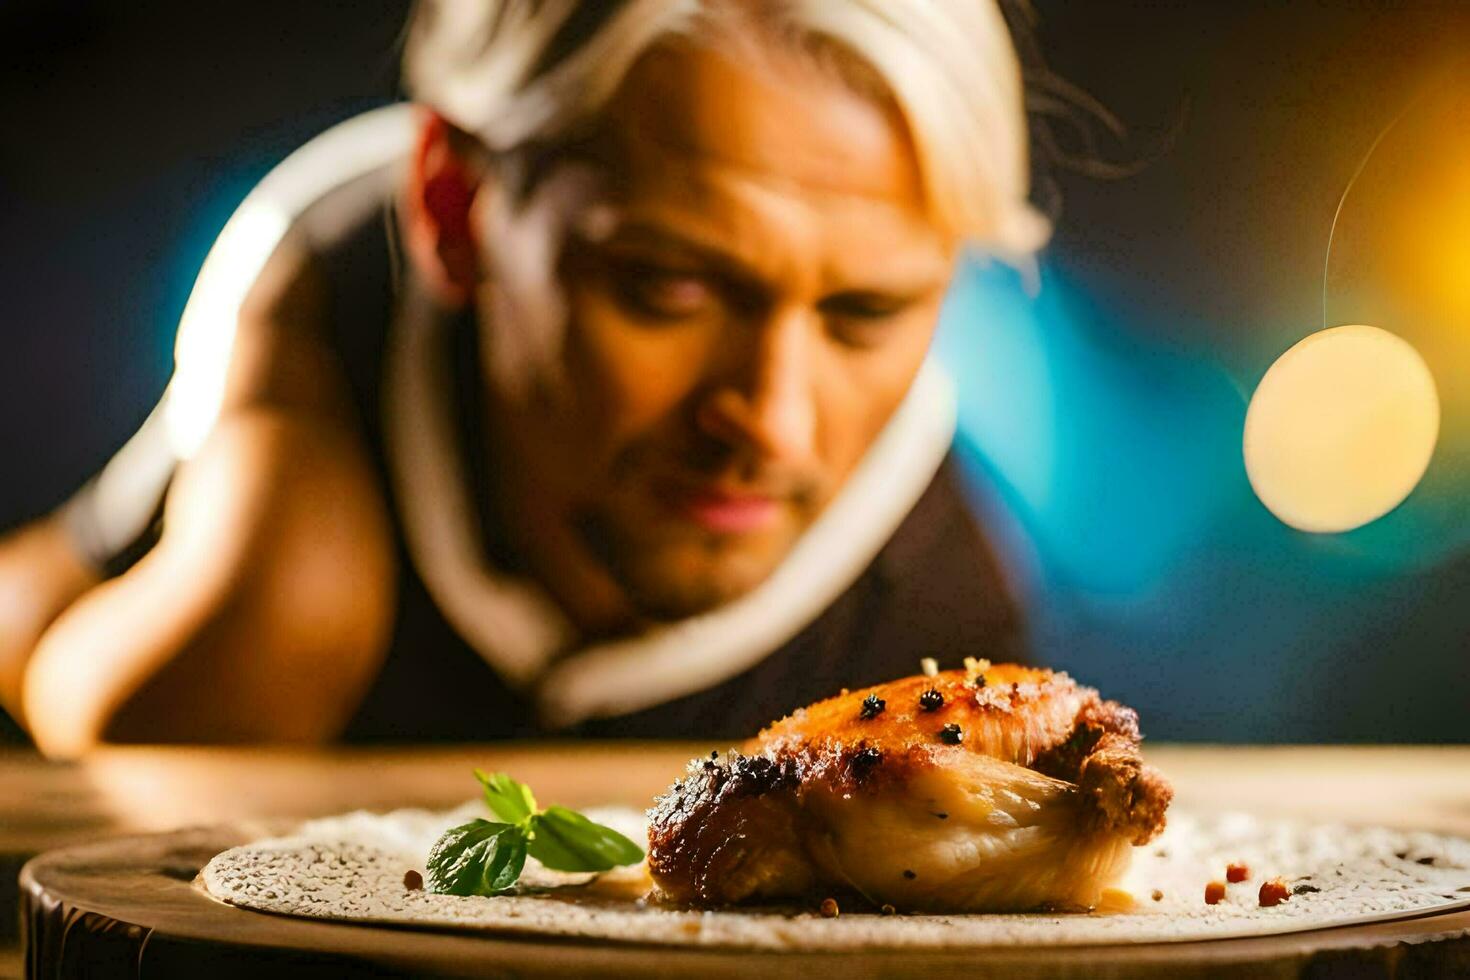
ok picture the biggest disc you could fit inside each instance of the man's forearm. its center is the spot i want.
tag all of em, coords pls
(261, 614)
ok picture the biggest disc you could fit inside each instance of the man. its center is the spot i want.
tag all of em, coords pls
(620, 426)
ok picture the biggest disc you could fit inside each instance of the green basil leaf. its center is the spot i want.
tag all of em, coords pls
(564, 840)
(481, 857)
(509, 800)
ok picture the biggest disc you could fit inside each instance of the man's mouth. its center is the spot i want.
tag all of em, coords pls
(722, 510)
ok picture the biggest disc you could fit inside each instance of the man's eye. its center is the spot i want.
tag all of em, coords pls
(666, 294)
(861, 320)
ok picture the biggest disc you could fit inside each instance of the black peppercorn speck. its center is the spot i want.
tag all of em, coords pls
(951, 735)
(865, 760)
(872, 706)
(931, 700)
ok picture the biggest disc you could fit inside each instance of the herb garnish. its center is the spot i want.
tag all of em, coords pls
(485, 857)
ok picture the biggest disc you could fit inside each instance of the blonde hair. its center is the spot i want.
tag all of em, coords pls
(528, 72)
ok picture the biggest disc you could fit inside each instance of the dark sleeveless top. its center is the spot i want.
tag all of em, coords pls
(934, 590)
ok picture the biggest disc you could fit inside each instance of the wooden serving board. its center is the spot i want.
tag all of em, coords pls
(129, 907)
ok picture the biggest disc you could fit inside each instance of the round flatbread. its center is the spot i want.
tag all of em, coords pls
(351, 868)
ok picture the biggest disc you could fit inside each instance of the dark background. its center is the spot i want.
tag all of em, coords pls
(129, 131)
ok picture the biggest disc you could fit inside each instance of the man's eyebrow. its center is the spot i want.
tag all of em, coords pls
(652, 235)
(655, 235)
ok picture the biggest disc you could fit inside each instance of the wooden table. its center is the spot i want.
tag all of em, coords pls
(135, 790)
(45, 805)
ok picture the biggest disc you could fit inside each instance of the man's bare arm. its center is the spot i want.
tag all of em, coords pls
(261, 614)
(265, 609)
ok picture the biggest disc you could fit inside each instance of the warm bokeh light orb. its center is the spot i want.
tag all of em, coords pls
(1341, 429)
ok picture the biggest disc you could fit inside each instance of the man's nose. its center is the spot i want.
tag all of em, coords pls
(766, 403)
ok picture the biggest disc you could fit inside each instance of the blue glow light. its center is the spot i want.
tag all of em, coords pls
(1114, 455)
(1108, 469)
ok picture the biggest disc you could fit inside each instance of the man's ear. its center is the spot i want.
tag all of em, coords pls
(439, 227)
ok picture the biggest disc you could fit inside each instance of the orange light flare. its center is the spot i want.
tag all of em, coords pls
(1428, 254)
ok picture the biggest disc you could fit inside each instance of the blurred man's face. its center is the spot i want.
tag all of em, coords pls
(754, 304)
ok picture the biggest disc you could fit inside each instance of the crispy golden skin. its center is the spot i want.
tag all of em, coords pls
(1000, 789)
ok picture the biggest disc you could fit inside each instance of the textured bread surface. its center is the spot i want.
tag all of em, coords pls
(351, 869)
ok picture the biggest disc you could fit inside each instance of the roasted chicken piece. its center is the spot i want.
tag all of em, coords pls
(995, 788)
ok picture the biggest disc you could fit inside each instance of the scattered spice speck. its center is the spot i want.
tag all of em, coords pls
(1273, 892)
(1237, 871)
(413, 881)
(829, 909)
(1305, 889)
(1425, 860)
(1215, 893)
(951, 735)
(910, 874)
(975, 671)
(931, 700)
(865, 760)
(1156, 895)
(872, 707)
